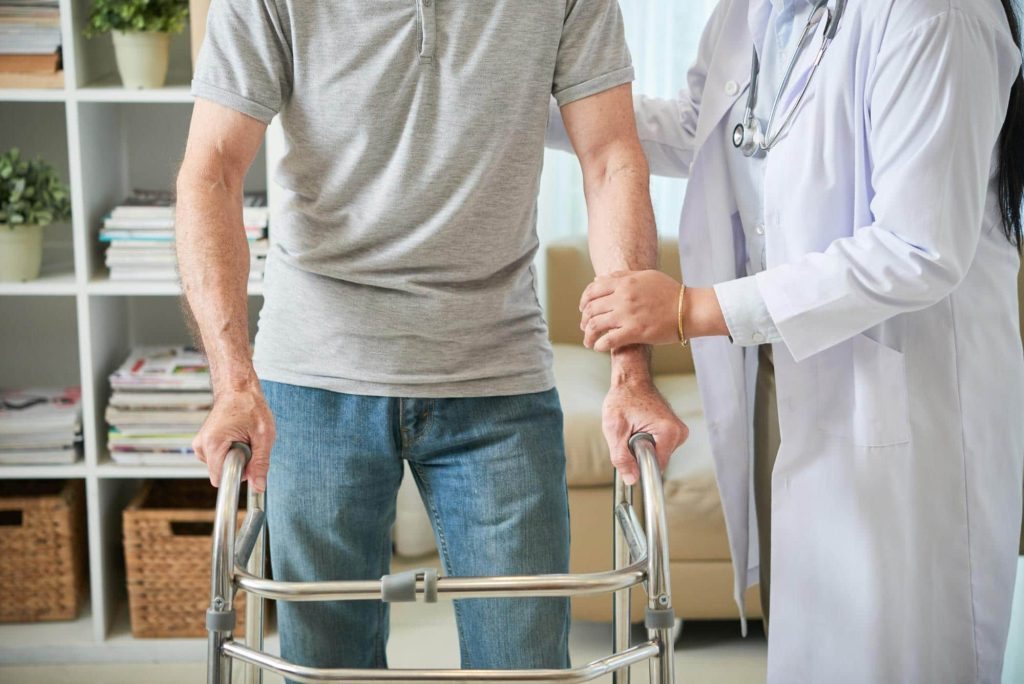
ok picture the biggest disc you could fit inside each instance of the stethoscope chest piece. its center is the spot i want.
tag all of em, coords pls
(747, 138)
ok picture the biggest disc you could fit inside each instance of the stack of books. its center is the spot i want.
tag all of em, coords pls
(40, 425)
(30, 44)
(161, 396)
(140, 235)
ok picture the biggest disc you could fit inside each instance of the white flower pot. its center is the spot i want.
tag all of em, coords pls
(21, 252)
(142, 57)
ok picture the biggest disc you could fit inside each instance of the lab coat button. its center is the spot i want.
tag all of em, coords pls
(760, 229)
(731, 88)
(757, 337)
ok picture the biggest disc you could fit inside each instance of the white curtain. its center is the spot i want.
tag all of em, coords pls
(663, 37)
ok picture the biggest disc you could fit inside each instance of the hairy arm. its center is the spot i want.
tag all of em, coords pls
(213, 261)
(623, 237)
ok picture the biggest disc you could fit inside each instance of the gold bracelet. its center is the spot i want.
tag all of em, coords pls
(682, 338)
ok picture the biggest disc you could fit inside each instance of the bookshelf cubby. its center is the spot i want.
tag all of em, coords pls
(73, 326)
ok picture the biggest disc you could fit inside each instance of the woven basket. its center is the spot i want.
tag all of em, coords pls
(42, 538)
(168, 531)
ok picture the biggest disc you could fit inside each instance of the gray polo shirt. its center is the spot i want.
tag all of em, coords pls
(402, 258)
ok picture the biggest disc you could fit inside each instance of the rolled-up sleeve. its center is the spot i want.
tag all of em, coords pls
(245, 61)
(592, 55)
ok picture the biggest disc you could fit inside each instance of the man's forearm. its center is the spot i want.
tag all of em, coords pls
(622, 233)
(213, 261)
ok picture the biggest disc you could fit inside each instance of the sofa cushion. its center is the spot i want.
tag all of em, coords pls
(693, 507)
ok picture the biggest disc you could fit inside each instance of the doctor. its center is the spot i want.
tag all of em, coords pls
(849, 241)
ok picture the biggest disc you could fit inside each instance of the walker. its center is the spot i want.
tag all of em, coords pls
(639, 558)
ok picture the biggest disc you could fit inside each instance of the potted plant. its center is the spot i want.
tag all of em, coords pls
(31, 197)
(141, 30)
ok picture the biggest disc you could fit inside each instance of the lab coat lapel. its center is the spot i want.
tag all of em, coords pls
(728, 73)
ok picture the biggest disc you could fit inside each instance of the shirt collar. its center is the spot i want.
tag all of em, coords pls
(759, 13)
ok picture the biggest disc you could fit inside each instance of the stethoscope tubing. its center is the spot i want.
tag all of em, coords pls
(768, 140)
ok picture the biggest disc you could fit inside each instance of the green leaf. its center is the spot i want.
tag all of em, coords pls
(30, 191)
(137, 15)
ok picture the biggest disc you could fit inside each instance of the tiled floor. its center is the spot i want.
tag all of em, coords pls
(424, 636)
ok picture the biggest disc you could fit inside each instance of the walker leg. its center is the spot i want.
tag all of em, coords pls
(254, 607)
(621, 599)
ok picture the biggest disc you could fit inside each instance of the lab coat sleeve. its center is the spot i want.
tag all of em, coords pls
(746, 315)
(667, 127)
(937, 100)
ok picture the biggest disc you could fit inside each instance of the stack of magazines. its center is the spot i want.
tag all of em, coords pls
(161, 396)
(140, 234)
(40, 425)
(30, 44)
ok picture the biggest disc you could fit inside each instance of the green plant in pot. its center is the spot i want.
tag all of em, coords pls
(141, 31)
(31, 197)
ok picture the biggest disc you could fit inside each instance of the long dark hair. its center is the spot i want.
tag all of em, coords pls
(1011, 149)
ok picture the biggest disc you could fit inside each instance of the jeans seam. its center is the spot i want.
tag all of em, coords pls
(403, 434)
(428, 417)
(443, 544)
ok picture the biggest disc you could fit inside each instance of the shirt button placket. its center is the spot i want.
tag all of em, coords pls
(428, 27)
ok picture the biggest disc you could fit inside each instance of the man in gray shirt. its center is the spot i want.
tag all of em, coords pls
(400, 319)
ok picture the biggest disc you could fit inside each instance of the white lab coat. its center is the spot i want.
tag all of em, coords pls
(896, 494)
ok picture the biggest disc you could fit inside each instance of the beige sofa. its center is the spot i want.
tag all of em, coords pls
(700, 565)
(701, 569)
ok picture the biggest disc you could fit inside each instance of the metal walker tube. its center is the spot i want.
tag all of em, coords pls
(640, 558)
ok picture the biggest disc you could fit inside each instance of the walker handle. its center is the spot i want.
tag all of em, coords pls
(220, 616)
(660, 615)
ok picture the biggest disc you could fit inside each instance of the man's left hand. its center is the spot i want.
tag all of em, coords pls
(636, 406)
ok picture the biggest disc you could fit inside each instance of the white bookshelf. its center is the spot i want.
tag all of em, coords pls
(74, 325)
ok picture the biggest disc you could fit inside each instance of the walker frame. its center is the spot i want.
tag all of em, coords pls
(640, 557)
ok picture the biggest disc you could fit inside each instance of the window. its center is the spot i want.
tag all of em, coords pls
(663, 36)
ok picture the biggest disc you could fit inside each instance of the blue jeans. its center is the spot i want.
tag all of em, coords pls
(491, 471)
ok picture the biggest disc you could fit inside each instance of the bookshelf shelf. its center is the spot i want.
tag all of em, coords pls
(25, 643)
(103, 286)
(42, 472)
(33, 94)
(74, 325)
(54, 284)
(109, 89)
(109, 469)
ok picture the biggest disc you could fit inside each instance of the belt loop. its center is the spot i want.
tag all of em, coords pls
(428, 28)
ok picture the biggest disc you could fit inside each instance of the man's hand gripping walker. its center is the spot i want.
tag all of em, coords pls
(640, 558)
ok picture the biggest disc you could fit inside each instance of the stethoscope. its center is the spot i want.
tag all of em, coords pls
(748, 137)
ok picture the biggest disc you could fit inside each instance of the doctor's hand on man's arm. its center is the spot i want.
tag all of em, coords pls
(213, 259)
(643, 307)
(623, 236)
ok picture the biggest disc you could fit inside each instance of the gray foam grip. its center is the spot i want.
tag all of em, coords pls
(398, 588)
(664, 618)
(220, 620)
(430, 585)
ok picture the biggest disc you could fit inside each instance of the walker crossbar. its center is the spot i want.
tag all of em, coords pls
(641, 557)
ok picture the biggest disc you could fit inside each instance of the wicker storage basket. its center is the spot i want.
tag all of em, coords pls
(168, 530)
(42, 550)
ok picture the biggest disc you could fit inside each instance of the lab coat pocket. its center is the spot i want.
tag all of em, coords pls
(862, 393)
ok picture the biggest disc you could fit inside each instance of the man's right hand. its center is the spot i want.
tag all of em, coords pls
(237, 416)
